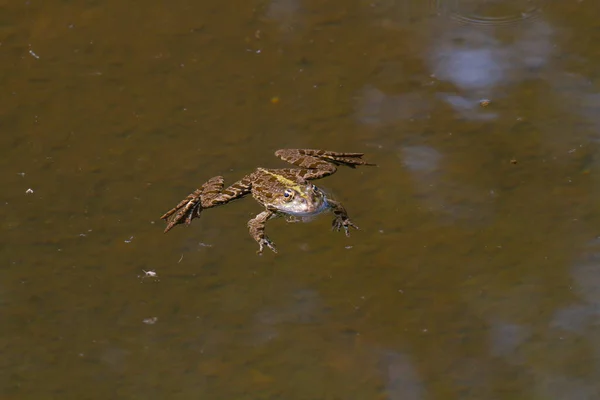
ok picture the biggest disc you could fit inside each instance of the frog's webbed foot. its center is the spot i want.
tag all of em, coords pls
(341, 219)
(257, 231)
(292, 219)
(191, 207)
(317, 164)
(265, 242)
(339, 223)
(184, 212)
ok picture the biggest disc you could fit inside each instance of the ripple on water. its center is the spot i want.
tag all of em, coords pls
(489, 12)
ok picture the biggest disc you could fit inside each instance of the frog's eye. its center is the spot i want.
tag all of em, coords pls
(288, 194)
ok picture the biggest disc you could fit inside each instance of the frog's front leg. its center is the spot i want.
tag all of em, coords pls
(257, 230)
(341, 219)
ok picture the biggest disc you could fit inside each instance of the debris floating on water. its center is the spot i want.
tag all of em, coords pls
(150, 273)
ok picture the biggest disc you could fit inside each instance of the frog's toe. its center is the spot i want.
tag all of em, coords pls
(339, 223)
(336, 224)
(265, 242)
(347, 225)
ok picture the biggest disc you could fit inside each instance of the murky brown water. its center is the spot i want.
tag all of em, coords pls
(476, 272)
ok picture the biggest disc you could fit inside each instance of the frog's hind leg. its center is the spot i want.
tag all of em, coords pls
(257, 230)
(320, 163)
(218, 196)
(190, 207)
(212, 188)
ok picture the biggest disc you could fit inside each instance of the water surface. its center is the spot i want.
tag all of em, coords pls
(475, 274)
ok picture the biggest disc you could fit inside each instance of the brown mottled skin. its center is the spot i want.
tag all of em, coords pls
(283, 192)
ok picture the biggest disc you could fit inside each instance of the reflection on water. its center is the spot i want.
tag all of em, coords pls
(583, 314)
(302, 310)
(506, 339)
(483, 63)
(441, 193)
(403, 382)
(482, 59)
(377, 108)
(284, 12)
(473, 276)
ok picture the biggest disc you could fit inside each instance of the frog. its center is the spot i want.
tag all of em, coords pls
(283, 192)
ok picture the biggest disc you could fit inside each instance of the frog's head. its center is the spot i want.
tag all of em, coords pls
(300, 200)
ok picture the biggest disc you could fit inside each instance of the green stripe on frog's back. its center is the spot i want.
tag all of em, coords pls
(285, 181)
